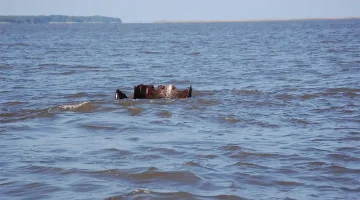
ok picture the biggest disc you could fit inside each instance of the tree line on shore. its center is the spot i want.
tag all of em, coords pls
(57, 19)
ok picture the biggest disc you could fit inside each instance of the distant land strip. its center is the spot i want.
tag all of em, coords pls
(252, 20)
(50, 19)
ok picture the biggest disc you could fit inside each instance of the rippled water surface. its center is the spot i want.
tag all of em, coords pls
(274, 114)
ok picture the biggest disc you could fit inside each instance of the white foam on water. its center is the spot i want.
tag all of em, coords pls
(73, 106)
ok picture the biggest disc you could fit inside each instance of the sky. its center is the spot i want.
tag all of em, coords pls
(183, 10)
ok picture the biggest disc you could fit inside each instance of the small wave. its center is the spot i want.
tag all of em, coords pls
(301, 121)
(67, 73)
(245, 155)
(249, 165)
(14, 103)
(287, 183)
(98, 127)
(157, 66)
(194, 54)
(348, 92)
(133, 139)
(149, 175)
(80, 107)
(351, 189)
(178, 82)
(25, 114)
(134, 111)
(162, 101)
(354, 133)
(51, 52)
(192, 164)
(230, 147)
(231, 119)
(116, 55)
(308, 96)
(32, 58)
(84, 67)
(208, 102)
(26, 189)
(343, 157)
(76, 95)
(18, 45)
(51, 65)
(182, 177)
(150, 52)
(5, 67)
(127, 103)
(347, 149)
(119, 151)
(147, 157)
(210, 156)
(43, 169)
(165, 113)
(341, 170)
(284, 96)
(162, 151)
(316, 163)
(246, 92)
(145, 193)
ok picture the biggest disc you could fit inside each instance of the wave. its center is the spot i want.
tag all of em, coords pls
(5, 67)
(148, 175)
(235, 120)
(84, 67)
(24, 114)
(247, 165)
(77, 95)
(144, 193)
(329, 92)
(134, 111)
(302, 121)
(231, 119)
(98, 127)
(308, 96)
(252, 155)
(116, 55)
(164, 114)
(287, 183)
(80, 107)
(343, 91)
(129, 103)
(150, 52)
(230, 147)
(335, 169)
(13, 103)
(67, 73)
(32, 58)
(194, 54)
(117, 152)
(19, 45)
(246, 92)
(51, 65)
(285, 96)
(181, 177)
(208, 102)
(343, 157)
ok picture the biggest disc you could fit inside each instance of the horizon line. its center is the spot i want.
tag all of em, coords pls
(241, 20)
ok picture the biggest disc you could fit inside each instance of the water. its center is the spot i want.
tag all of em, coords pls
(274, 114)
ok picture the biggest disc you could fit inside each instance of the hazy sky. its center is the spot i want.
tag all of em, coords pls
(152, 10)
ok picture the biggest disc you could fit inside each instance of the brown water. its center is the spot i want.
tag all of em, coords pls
(274, 114)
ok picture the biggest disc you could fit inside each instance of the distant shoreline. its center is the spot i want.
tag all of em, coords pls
(250, 20)
(55, 19)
